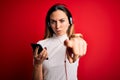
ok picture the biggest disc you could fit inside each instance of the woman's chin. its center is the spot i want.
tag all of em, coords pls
(60, 34)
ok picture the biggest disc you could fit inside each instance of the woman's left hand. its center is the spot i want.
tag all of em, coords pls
(76, 47)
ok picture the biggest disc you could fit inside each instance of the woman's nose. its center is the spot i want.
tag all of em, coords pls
(57, 24)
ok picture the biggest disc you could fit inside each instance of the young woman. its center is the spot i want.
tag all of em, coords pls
(61, 46)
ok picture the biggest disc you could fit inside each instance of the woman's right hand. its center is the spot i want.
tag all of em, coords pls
(40, 57)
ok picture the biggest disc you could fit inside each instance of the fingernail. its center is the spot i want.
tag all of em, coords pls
(46, 58)
(46, 48)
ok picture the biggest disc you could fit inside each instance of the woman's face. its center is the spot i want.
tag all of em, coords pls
(59, 22)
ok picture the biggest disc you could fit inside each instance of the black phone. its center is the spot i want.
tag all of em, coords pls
(33, 45)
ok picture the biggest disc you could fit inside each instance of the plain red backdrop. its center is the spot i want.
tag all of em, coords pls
(22, 22)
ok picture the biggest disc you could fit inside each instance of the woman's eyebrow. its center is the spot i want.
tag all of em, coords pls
(62, 19)
(52, 20)
(59, 19)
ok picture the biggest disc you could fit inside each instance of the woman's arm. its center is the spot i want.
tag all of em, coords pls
(38, 60)
(76, 47)
(37, 72)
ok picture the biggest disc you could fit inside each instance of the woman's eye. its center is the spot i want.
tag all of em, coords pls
(52, 22)
(62, 21)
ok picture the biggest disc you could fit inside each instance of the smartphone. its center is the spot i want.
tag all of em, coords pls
(33, 45)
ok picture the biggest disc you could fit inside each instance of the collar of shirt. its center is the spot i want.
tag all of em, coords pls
(61, 38)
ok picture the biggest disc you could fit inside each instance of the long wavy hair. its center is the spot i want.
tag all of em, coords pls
(48, 30)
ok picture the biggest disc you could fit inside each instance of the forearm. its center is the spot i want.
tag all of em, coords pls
(37, 72)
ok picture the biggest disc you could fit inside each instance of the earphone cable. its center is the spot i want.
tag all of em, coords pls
(65, 68)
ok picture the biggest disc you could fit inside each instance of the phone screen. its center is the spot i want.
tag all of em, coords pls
(33, 45)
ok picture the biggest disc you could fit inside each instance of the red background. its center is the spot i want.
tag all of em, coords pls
(22, 22)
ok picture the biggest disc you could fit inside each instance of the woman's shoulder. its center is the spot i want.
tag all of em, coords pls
(44, 41)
